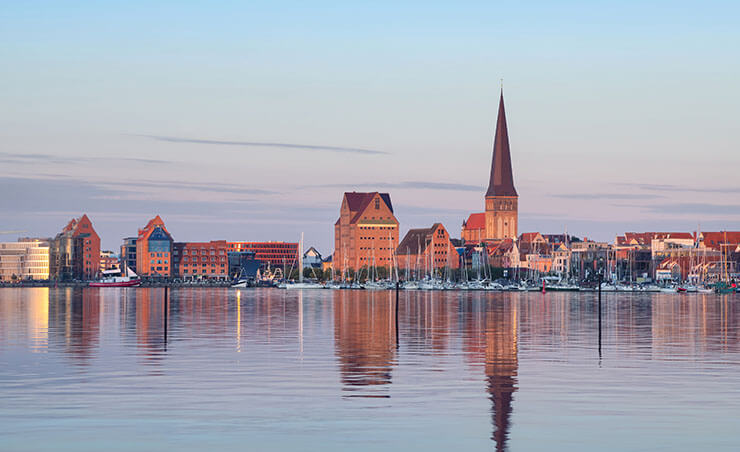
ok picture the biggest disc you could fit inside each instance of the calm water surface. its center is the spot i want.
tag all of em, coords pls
(265, 369)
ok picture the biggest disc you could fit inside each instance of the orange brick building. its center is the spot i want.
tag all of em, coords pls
(366, 232)
(154, 250)
(192, 260)
(427, 248)
(75, 252)
(276, 254)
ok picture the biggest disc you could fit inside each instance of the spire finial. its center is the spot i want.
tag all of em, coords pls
(502, 85)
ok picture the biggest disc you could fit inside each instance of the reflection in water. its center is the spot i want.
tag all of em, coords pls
(491, 338)
(364, 338)
(264, 344)
(74, 320)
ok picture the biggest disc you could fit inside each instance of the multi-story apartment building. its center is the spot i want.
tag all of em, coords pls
(199, 260)
(366, 232)
(274, 254)
(154, 250)
(427, 248)
(128, 253)
(23, 260)
(75, 252)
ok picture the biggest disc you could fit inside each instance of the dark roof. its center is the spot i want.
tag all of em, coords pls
(501, 182)
(416, 240)
(358, 202)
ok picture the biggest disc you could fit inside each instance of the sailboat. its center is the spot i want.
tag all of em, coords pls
(300, 284)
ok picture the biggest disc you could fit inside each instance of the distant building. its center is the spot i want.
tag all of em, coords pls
(427, 248)
(200, 260)
(501, 216)
(128, 252)
(75, 252)
(109, 261)
(726, 241)
(24, 260)
(154, 250)
(366, 232)
(274, 254)
(312, 258)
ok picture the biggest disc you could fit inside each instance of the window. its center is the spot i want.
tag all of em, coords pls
(377, 204)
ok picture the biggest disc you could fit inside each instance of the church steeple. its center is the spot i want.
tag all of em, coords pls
(501, 182)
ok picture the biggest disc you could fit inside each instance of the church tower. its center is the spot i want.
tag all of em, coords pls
(502, 210)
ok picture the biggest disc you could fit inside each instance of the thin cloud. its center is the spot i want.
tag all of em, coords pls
(681, 188)
(307, 147)
(209, 187)
(694, 208)
(408, 184)
(7, 157)
(612, 196)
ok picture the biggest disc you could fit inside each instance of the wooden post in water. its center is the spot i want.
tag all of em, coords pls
(165, 311)
(599, 302)
(398, 288)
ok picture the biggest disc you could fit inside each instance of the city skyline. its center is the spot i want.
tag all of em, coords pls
(254, 132)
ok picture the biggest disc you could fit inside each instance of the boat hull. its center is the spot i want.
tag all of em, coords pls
(132, 283)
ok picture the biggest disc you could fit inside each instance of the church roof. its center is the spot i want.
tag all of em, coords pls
(476, 221)
(501, 182)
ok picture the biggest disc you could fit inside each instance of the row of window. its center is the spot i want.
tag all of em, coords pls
(205, 259)
(202, 251)
(159, 261)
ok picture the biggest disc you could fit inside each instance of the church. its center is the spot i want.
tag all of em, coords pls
(501, 217)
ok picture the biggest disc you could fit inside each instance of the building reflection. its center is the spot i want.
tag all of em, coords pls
(74, 320)
(365, 340)
(490, 337)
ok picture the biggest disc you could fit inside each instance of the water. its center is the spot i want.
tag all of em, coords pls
(265, 369)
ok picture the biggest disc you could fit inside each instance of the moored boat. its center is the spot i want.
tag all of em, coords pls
(114, 278)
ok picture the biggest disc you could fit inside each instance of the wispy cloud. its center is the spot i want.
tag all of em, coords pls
(682, 188)
(209, 187)
(408, 184)
(695, 209)
(611, 196)
(306, 147)
(7, 157)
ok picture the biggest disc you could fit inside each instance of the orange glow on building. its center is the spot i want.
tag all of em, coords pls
(154, 250)
(200, 259)
(366, 232)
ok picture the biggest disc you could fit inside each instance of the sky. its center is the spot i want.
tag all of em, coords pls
(248, 120)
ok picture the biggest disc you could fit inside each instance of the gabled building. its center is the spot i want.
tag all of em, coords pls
(366, 232)
(312, 258)
(154, 250)
(75, 252)
(427, 248)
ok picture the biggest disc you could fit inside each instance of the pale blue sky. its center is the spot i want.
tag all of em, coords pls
(621, 115)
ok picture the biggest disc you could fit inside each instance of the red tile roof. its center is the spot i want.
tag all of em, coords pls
(476, 221)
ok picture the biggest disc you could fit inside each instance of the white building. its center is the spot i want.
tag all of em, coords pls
(28, 259)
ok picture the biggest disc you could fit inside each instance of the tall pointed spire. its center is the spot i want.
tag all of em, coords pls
(502, 178)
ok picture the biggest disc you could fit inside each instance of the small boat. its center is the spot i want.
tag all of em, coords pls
(114, 278)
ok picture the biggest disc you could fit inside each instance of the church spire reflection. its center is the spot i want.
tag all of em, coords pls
(501, 367)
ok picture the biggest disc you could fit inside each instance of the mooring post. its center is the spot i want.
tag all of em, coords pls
(165, 311)
(599, 302)
(398, 288)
